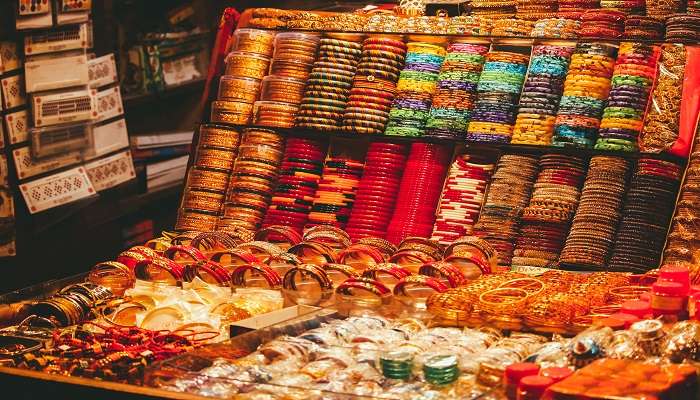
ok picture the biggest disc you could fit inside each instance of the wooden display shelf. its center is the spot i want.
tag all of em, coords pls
(502, 147)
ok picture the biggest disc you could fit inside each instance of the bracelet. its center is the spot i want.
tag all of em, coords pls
(124, 315)
(113, 275)
(212, 272)
(313, 252)
(159, 270)
(388, 269)
(350, 289)
(503, 301)
(210, 240)
(418, 280)
(286, 234)
(345, 271)
(184, 238)
(261, 249)
(181, 252)
(282, 261)
(329, 235)
(620, 294)
(131, 258)
(361, 254)
(158, 245)
(382, 245)
(236, 258)
(271, 277)
(410, 258)
(291, 288)
(146, 251)
(445, 271)
(469, 263)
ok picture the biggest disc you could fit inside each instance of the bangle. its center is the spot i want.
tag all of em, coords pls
(313, 252)
(468, 263)
(342, 270)
(260, 249)
(389, 270)
(282, 262)
(503, 301)
(124, 315)
(473, 243)
(532, 286)
(410, 258)
(146, 251)
(384, 246)
(212, 272)
(271, 277)
(329, 235)
(184, 238)
(113, 275)
(284, 234)
(159, 270)
(360, 254)
(445, 271)
(418, 280)
(131, 258)
(291, 288)
(351, 288)
(450, 306)
(427, 246)
(619, 295)
(236, 258)
(158, 245)
(210, 240)
(183, 253)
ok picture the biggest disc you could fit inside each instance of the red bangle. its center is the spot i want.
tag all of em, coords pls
(321, 251)
(146, 251)
(192, 253)
(143, 270)
(271, 277)
(371, 254)
(419, 280)
(443, 269)
(131, 258)
(469, 258)
(414, 256)
(317, 273)
(394, 270)
(365, 284)
(214, 270)
(286, 234)
(236, 258)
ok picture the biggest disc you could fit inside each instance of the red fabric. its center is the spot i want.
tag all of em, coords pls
(228, 22)
(690, 105)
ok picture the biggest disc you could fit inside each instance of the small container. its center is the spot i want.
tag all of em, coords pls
(533, 387)
(639, 308)
(675, 273)
(514, 374)
(668, 299)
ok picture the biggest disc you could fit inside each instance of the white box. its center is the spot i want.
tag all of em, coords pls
(102, 71)
(109, 103)
(111, 171)
(9, 59)
(60, 139)
(108, 138)
(69, 37)
(56, 190)
(64, 107)
(49, 72)
(35, 21)
(27, 166)
(17, 126)
(75, 5)
(13, 94)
